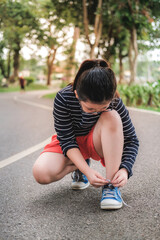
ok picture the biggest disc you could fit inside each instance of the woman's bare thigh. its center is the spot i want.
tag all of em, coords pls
(51, 167)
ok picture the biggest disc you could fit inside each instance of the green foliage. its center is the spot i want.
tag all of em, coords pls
(9, 89)
(29, 80)
(136, 95)
(119, 18)
(51, 95)
(2, 61)
(19, 17)
(15, 88)
(22, 19)
(33, 86)
(17, 21)
(70, 11)
(126, 94)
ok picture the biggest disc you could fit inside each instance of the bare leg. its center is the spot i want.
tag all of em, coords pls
(108, 141)
(51, 167)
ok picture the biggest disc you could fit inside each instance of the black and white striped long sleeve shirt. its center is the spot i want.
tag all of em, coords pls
(71, 121)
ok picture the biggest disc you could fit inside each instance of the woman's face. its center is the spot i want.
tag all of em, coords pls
(94, 108)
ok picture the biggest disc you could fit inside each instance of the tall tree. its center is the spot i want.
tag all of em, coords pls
(71, 56)
(136, 17)
(53, 33)
(68, 11)
(114, 41)
(17, 20)
(125, 22)
(97, 25)
(2, 61)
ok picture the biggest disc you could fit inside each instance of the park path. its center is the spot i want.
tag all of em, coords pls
(29, 211)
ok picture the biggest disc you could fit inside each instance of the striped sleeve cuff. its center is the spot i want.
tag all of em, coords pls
(127, 167)
(68, 145)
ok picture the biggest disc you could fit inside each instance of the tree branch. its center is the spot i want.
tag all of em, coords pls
(98, 18)
(85, 20)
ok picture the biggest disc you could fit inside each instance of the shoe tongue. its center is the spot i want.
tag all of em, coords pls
(109, 185)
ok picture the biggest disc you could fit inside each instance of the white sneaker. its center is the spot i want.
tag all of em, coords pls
(80, 180)
(111, 197)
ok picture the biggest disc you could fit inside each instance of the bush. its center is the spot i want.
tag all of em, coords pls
(136, 95)
(29, 80)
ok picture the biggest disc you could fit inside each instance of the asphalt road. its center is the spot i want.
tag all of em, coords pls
(29, 211)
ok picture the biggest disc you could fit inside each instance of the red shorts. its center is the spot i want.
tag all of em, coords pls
(85, 144)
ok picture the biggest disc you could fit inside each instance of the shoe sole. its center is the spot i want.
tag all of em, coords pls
(111, 206)
(80, 188)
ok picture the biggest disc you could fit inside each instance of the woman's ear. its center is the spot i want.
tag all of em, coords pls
(76, 94)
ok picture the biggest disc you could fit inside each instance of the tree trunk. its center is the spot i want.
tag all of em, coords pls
(133, 53)
(9, 64)
(16, 56)
(92, 53)
(49, 74)
(50, 59)
(72, 67)
(121, 73)
(16, 63)
(97, 26)
(2, 68)
(149, 103)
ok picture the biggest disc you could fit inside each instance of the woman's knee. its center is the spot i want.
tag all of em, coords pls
(51, 167)
(111, 120)
(45, 169)
(41, 173)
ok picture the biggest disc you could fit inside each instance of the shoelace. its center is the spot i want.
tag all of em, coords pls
(109, 193)
(124, 201)
(112, 194)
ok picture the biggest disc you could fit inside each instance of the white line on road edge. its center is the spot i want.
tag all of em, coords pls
(23, 154)
(143, 110)
(33, 104)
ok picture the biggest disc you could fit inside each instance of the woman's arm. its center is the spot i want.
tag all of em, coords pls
(131, 143)
(63, 124)
(93, 176)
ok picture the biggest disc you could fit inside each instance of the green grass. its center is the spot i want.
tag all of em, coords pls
(149, 108)
(31, 87)
(51, 95)
(10, 89)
